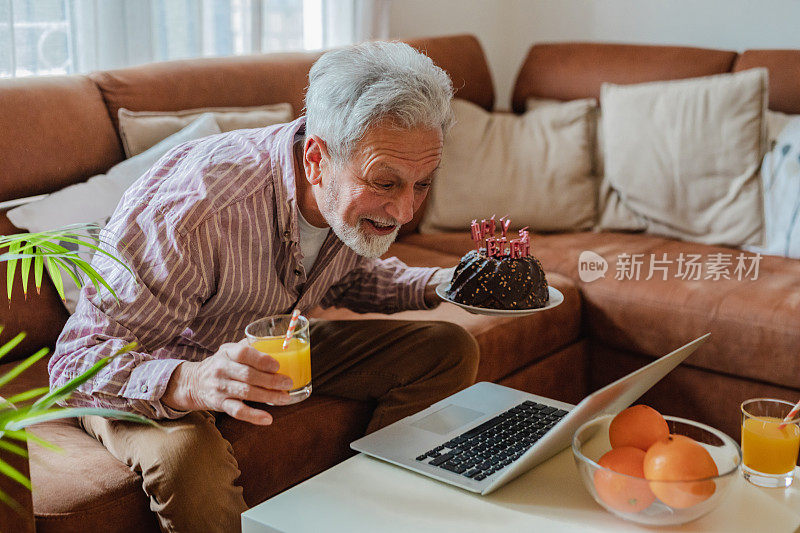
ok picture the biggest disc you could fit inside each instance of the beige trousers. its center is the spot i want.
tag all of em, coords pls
(189, 472)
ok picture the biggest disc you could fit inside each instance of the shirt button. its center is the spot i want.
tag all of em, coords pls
(297, 271)
(286, 234)
(143, 388)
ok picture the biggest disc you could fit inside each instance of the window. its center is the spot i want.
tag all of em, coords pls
(45, 37)
(34, 38)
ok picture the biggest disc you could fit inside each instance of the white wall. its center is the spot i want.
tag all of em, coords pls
(507, 28)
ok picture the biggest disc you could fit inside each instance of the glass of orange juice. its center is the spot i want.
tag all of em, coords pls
(267, 335)
(769, 452)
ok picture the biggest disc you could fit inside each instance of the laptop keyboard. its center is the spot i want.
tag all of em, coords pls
(495, 444)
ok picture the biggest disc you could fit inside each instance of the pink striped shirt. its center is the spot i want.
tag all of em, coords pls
(211, 235)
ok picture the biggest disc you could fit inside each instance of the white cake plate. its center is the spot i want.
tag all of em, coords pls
(555, 299)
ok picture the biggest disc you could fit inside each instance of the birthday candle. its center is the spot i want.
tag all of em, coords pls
(484, 228)
(502, 243)
(476, 233)
(491, 246)
(505, 222)
(525, 242)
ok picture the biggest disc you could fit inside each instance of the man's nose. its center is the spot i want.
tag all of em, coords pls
(402, 208)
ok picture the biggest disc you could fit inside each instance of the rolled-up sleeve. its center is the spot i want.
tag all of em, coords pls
(382, 286)
(158, 299)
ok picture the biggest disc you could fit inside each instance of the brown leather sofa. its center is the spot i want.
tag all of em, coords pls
(59, 131)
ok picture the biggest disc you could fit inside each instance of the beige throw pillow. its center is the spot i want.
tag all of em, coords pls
(142, 129)
(535, 168)
(684, 156)
(612, 213)
(776, 123)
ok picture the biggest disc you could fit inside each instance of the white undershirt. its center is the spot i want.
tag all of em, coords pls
(311, 239)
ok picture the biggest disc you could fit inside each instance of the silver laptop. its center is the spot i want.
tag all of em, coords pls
(486, 435)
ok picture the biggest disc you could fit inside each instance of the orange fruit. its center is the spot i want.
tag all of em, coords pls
(680, 458)
(622, 492)
(638, 426)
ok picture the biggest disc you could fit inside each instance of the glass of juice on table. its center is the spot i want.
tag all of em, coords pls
(769, 451)
(267, 335)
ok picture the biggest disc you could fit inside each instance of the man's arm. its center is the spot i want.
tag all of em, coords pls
(154, 307)
(440, 276)
(170, 281)
(387, 286)
(222, 382)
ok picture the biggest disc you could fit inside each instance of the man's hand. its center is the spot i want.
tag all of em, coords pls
(222, 382)
(443, 274)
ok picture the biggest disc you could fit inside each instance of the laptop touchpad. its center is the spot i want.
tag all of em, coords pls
(447, 419)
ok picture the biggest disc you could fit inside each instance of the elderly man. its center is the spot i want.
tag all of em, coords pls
(237, 226)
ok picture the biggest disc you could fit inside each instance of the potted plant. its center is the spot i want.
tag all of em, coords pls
(40, 251)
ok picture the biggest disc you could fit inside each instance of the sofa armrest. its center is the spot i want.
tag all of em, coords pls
(21, 520)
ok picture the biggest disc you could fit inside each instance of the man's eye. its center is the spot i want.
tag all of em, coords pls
(384, 185)
(423, 186)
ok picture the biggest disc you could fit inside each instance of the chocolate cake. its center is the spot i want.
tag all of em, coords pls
(499, 282)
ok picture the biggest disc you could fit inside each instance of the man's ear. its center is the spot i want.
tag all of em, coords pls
(315, 156)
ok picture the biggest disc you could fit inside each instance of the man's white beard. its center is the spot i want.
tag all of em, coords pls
(353, 237)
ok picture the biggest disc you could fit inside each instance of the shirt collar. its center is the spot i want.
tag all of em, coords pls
(286, 189)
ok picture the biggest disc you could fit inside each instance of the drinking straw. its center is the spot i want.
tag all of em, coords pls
(290, 329)
(790, 416)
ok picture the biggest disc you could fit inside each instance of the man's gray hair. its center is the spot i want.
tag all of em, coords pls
(354, 88)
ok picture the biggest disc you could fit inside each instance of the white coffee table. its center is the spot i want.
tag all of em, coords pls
(364, 494)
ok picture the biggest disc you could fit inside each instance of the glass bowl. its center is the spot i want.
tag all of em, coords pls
(620, 492)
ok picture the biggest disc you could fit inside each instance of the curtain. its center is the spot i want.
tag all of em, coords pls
(41, 37)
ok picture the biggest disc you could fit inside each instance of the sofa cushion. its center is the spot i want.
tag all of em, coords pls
(780, 180)
(507, 344)
(755, 323)
(684, 155)
(206, 82)
(55, 131)
(535, 168)
(568, 71)
(776, 122)
(748, 319)
(87, 489)
(41, 315)
(784, 75)
(141, 130)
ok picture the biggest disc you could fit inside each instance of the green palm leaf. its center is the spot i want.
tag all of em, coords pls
(11, 268)
(29, 419)
(13, 448)
(43, 248)
(11, 502)
(25, 272)
(10, 345)
(21, 367)
(27, 436)
(38, 269)
(65, 390)
(37, 251)
(55, 275)
(27, 395)
(75, 275)
(14, 474)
